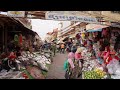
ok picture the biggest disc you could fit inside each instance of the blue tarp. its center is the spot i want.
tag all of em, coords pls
(94, 30)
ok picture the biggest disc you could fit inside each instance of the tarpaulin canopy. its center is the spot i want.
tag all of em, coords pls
(94, 30)
(95, 27)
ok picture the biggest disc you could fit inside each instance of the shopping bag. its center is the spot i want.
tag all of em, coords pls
(67, 74)
(66, 65)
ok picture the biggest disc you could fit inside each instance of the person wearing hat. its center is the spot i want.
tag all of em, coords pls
(99, 58)
(78, 62)
(70, 70)
(71, 59)
(78, 53)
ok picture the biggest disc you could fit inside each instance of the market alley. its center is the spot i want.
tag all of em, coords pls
(56, 69)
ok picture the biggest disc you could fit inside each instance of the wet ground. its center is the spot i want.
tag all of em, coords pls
(56, 70)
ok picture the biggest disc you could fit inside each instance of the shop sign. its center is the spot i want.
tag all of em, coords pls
(70, 17)
(16, 13)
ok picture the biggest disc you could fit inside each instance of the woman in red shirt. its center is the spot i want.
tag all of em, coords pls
(111, 57)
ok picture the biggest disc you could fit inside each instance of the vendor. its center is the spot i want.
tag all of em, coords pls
(99, 58)
(91, 50)
(12, 56)
(105, 53)
(89, 43)
(78, 54)
(111, 56)
(113, 53)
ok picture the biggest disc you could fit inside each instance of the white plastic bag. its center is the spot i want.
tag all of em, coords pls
(115, 76)
(113, 66)
(117, 71)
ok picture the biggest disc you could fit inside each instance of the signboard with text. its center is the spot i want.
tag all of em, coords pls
(70, 17)
(16, 13)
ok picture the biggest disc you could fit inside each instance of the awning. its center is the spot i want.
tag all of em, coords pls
(94, 30)
(95, 27)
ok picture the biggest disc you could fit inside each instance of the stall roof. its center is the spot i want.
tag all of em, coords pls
(94, 30)
(95, 27)
(9, 21)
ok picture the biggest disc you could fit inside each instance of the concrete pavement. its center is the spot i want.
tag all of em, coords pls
(56, 70)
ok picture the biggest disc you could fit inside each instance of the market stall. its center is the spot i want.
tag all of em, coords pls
(28, 66)
(100, 53)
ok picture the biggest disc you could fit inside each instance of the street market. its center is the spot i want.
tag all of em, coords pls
(80, 47)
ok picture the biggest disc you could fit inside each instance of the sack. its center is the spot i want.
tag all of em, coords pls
(66, 65)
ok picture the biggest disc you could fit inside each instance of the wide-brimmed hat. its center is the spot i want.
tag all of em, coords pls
(79, 50)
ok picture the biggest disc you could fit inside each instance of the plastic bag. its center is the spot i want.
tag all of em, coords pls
(66, 65)
(113, 66)
(118, 71)
(115, 76)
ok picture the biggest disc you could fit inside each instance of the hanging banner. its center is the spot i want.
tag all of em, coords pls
(16, 13)
(70, 17)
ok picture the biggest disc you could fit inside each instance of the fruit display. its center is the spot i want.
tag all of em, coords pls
(94, 74)
(90, 75)
(100, 73)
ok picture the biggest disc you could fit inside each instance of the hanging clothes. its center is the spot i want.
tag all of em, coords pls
(93, 33)
(78, 36)
(16, 39)
(90, 36)
(104, 32)
(83, 36)
(20, 39)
